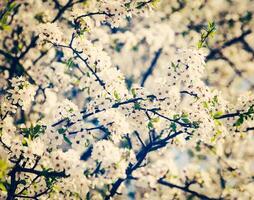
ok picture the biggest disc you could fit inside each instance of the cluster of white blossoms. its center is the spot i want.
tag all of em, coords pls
(114, 165)
(19, 94)
(50, 32)
(111, 100)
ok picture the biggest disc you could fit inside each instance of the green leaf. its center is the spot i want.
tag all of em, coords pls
(197, 147)
(4, 19)
(150, 125)
(200, 44)
(155, 120)
(25, 141)
(2, 187)
(140, 5)
(206, 33)
(11, 6)
(61, 130)
(175, 66)
(206, 105)
(184, 115)
(217, 114)
(215, 100)
(133, 92)
(176, 116)
(70, 64)
(137, 106)
(127, 5)
(211, 26)
(117, 96)
(195, 124)
(215, 136)
(173, 126)
(36, 129)
(119, 46)
(4, 166)
(135, 48)
(185, 120)
(251, 110)
(155, 2)
(239, 121)
(66, 139)
(5, 27)
(33, 132)
(39, 17)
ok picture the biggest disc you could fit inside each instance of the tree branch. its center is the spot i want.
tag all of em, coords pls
(151, 67)
(186, 189)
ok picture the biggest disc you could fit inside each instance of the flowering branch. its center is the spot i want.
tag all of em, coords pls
(141, 156)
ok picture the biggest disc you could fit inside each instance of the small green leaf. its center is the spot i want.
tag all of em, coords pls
(155, 2)
(215, 136)
(176, 116)
(184, 115)
(11, 6)
(251, 110)
(70, 64)
(215, 100)
(195, 124)
(117, 96)
(3, 169)
(206, 33)
(119, 46)
(33, 132)
(217, 114)
(150, 125)
(173, 126)
(39, 17)
(133, 92)
(66, 139)
(127, 5)
(2, 187)
(155, 120)
(186, 120)
(206, 105)
(198, 148)
(137, 106)
(239, 121)
(175, 66)
(61, 130)
(200, 44)
(135, 48)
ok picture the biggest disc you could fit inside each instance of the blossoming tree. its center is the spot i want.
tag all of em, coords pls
(124, 99)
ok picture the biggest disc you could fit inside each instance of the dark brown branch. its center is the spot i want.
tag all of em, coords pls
(77, 53)
(141, 156)
(142, 4)
(62, 10)
(228, 43)
(186, 190)
(230, 115)
(92, 14)
(151, 67)
(31, 45)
